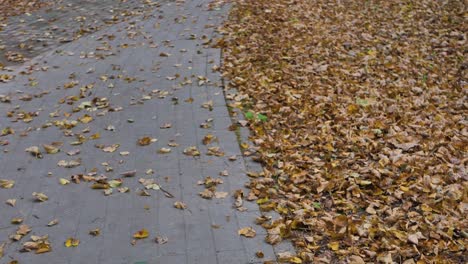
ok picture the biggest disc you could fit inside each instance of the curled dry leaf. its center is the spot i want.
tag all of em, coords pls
(143, 233)
(247, 232)
(164, 150)
(17, 220)
(192, 151)
(207, 194)
(145, 141)
(7, 184)
(95, 232)
(53, 222)
(69, 164)
(34, 150)
(11, 202)
(64, 181)
(40, 197)
(111, 148)
(50, 149)
(180, 205)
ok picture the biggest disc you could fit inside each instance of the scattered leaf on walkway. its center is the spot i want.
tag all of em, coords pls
(161, 240)
(34, 150)
(72, 242)
(40, 197)
(50, 149)
(53, 222)
(180, 205)
(64, 181)
(11, 202)
(16, 220)
(95, 232)
(143, 233)
(7, 184)
(247, 232)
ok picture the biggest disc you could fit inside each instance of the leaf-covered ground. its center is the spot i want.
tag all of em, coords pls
(362, 125)
(17, 7)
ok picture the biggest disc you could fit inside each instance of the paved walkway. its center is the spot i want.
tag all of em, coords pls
(150, 76)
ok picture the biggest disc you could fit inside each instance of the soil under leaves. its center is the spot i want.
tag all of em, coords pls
(364, 141)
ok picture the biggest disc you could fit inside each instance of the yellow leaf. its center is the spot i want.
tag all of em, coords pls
(64, 181)
(85, 119)
(50, 149)
(247, 232)
(141, 234)
(95, 136)
(72, 242)
(334, 245)
(43, 248)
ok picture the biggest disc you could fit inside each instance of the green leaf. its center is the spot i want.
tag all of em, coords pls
(249, 115)
(316, 205)
(262, 117)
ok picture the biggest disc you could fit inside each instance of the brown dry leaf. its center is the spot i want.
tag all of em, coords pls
(50, 149)
(247, 232)
(144, 141)
(7, 131)
(220, 195)
(180, 205)
(362, 127)
(53, 222)
(100, 186)
(7, 184)
(40, 197)
(11, 202)
(143, 233)
(111, 148)
(2, 248)
(191, 151)
(85, 119)
(207, 194)
(69, 164)
(34, 150)
(164, 150)
(208, 139)
(95, 232)
(16, 220)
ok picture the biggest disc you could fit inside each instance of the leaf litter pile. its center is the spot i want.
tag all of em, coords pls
(358, 109)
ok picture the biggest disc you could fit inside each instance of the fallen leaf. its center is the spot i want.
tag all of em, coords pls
(7, 184)
(34, 150)
(64, 181)
(180, 205)
(247, 232)
(161, 240)
(143, 233)
(72, 242)
(11, 202)
(16, 220)
(53, 222)
(144, 141)
(40, 197)
(95, 232)
(50, 149)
